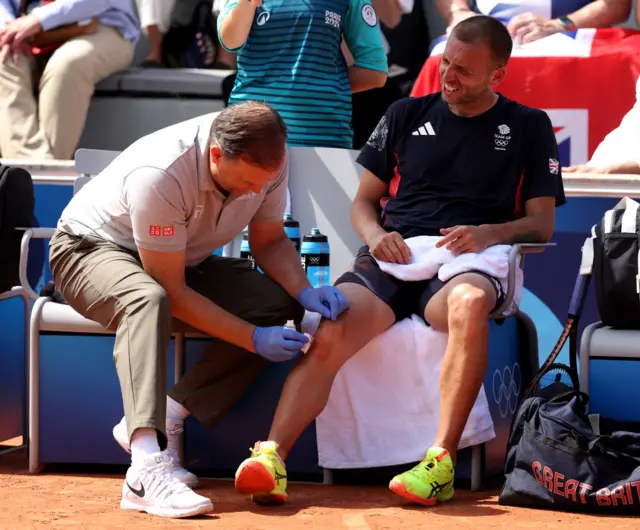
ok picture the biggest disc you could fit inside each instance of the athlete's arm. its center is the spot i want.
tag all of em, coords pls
(366, 220)
(540, 192)
(363, 39)
(365, 209)
(535, 227)
(234, 23)
(379, 161)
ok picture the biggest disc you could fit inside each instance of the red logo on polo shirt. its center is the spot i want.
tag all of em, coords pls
(154, 230)
(167, 231)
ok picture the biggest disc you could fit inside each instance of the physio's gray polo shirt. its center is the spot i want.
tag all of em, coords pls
(159, 195)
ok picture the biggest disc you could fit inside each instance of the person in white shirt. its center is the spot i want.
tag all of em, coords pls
(619, 152)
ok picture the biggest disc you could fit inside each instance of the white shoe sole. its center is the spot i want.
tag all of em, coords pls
(170, 513)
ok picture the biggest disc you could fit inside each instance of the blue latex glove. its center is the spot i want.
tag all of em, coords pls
(326, 300)
(278, 343)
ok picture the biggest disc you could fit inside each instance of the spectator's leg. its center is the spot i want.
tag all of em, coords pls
(213, 385)
(69, 80)
(155, 19)
(20, 132)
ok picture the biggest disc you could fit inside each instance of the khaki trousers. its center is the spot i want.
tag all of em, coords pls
(107, 284)
(48, 122)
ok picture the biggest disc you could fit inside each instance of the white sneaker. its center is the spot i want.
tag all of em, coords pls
(153, 488)
(173, 428)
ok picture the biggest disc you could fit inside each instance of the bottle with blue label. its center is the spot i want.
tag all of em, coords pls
(315, 257)
(245, 251)
(292, 229)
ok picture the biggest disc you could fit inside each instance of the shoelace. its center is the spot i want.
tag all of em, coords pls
(427, 465)
(162, 483)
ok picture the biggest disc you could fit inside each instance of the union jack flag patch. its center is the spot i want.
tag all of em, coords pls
(554, 166)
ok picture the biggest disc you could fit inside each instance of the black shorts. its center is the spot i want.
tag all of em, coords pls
(404, 298)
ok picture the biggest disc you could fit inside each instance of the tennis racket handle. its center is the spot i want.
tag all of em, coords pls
(580, 290)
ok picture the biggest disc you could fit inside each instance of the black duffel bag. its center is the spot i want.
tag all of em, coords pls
(559, 457)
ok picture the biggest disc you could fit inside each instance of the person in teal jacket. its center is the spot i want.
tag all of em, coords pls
(290, 56)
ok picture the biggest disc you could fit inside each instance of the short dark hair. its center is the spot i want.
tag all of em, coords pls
(488, 31)
(252, 131)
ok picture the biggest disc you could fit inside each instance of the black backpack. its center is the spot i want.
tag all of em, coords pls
(17, 203)
(615, 265)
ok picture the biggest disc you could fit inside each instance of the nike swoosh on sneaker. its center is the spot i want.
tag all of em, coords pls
(140, 493)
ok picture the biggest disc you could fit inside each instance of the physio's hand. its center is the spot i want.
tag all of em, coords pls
(278, 343)
(528, 28)
(391, 247)
(326, 300)
(462, 239)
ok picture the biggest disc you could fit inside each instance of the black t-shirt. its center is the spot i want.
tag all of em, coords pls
(445, 170)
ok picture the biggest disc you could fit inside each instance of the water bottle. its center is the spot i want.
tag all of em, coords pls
(315, 257)
(245, 251)
(292, 229)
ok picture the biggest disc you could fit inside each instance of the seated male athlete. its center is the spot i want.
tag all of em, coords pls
(466, 164)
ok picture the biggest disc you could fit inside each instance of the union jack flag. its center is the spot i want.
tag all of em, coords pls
(554, 166)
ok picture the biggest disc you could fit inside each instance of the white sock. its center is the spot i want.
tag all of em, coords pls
(175, 411)
(144, 442)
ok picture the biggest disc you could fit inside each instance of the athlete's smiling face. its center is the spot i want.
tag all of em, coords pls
(468, 72)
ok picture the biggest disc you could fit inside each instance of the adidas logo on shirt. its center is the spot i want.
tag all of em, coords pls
(425, 130)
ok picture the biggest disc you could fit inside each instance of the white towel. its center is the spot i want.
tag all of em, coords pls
(384, 404)
(427, 260)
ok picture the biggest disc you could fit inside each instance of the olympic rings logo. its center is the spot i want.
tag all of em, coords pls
(502, 143)
(506, 389)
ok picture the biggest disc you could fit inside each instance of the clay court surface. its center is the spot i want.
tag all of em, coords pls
(57, 500)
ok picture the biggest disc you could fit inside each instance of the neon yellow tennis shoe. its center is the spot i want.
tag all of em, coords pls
(263, 475)
(430, 481)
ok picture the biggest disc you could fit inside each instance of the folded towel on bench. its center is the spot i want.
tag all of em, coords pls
(428, 260)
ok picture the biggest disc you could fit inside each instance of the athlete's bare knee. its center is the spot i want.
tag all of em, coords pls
(327, 344)
(467, 302)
